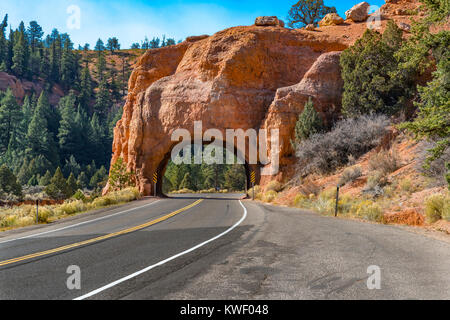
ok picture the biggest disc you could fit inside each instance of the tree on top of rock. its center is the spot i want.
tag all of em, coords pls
(306, 12)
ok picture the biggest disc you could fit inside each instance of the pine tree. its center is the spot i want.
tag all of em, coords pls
(119, 176)
(103, 101)
(72, 185)
(3, 43)
(86, 92)
(68, 69)
(57, 188)
(99, 46)
(39, 138)
(8, 182)
(20, 53)
(369, 70)
(82, 180)
(235, 178)
(186, 183)
(99, 178)
(39, 165)
(55, 56)
(114, 86)
(45, 179)
(69, 132)
(71, 166)
(10, 116)
(9, 52)
(100, 141)
(24, 174)
(308, 123)
(33, 181)
(85, 149)
(423, 50)
(154, 43)
(101, 66)
(35, 34)
(45, 70)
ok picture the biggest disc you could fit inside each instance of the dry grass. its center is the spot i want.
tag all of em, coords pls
(26, 214)
(273, 186)
(350, 175)
(269, 196)
(385, 162)
(258, 192)
(437, 207)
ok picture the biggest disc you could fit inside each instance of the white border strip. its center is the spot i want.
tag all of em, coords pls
(133, 275)
(79, 224)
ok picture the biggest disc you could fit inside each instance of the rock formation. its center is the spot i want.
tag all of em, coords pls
(20, 88)
(322, 83)
(331, 19)
(240, 78)
(227, 80)
(359, 12)
(266, 21)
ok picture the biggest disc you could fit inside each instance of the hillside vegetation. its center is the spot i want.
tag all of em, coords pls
(390, 151)
(57, 118)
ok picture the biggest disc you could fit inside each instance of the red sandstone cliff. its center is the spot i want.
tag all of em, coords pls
(239, 78)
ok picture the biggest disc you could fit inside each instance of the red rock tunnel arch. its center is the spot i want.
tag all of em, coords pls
(239, 78)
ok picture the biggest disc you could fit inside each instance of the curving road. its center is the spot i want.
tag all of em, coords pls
(217, 247)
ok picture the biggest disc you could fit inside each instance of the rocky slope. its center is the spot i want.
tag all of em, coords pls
(239, 78)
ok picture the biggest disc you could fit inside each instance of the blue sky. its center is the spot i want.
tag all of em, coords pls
(131, 21)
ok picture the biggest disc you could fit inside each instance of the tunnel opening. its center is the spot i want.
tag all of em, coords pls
(204, 177)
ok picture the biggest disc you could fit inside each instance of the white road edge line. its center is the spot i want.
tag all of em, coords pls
(133, 275)
(79, 224)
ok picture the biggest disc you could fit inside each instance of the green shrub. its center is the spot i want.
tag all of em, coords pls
(57, 189)
(79, 195)
(8, 182)
(119, 176)
(309, 122)
(368, 69)
(434, 207)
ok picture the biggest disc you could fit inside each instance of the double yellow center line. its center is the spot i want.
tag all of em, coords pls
(107, 236)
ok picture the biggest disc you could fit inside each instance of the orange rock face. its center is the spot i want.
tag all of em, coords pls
(228, 81)
(20, 88)
(240, 78)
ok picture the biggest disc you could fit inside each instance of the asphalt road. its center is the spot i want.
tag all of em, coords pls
(220, 248)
